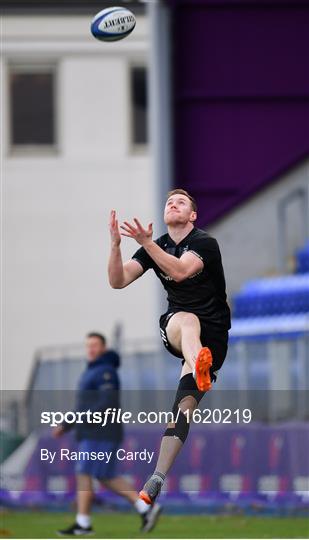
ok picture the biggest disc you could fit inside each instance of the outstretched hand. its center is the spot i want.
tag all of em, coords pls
(114, 229)
(137, 231)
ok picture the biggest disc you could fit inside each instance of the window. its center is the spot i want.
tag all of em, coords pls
(32, 106)
(139, 105)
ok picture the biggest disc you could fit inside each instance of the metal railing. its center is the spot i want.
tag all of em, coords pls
(300, 195)
(270, 375)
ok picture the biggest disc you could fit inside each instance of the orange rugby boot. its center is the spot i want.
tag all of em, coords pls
(202, 369)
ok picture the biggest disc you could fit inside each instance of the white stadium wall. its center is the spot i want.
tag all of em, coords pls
(56, 205)
(249, 236)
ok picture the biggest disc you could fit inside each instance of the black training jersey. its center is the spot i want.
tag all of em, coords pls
(204, 293)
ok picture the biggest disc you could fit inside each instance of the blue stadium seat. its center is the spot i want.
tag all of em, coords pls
(273, 296)
(302, 259)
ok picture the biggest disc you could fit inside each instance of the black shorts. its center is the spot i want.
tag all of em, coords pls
(213, 338)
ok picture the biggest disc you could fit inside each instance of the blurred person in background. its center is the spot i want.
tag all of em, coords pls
(99, 389)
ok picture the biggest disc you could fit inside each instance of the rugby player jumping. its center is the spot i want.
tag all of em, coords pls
(195, 327)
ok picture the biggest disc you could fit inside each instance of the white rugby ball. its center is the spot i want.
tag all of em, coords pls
(112, 24)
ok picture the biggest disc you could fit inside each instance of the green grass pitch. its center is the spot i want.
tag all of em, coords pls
(33, 524)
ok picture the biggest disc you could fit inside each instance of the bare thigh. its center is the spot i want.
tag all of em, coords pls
(179, 323)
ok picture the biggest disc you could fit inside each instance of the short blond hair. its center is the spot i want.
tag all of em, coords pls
(180, 191)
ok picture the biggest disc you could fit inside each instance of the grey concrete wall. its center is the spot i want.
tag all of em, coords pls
(249, 236)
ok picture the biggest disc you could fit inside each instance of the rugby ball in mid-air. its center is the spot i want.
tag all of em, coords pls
(112, 24)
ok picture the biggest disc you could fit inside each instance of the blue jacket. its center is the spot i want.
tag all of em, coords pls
(98, 389)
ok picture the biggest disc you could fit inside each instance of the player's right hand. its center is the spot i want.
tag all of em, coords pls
(114, 229)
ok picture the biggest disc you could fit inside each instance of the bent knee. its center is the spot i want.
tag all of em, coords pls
(182, 318)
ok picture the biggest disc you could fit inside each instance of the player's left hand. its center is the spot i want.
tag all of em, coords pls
(137, 231)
